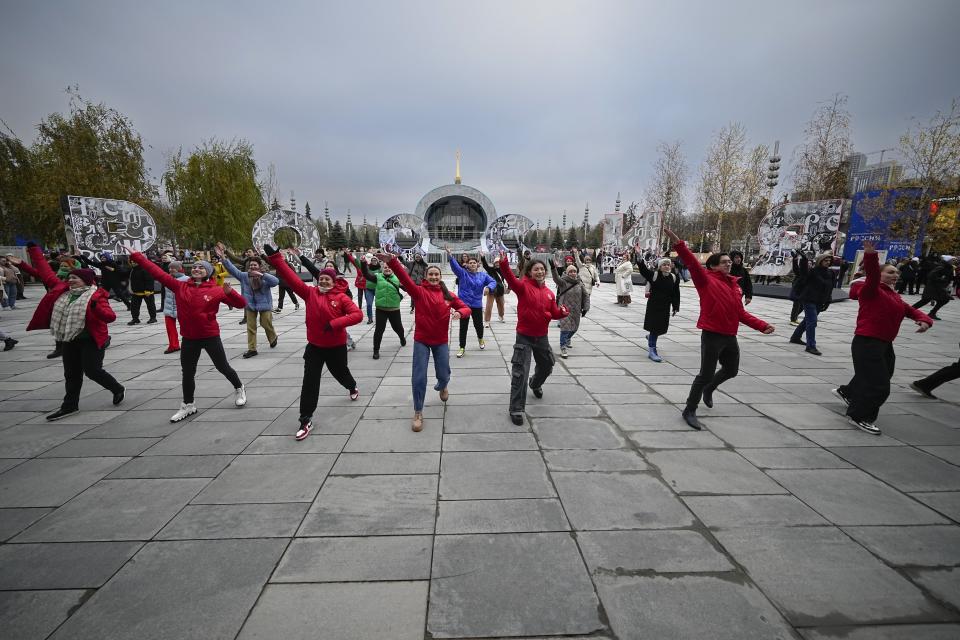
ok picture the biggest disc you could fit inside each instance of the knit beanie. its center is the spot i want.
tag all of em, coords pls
(207, 266)
(87, 275)
(328, 272)
(823, 256)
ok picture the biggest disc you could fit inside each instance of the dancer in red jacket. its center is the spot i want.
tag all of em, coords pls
(198, 300)
(882, 310)
(77, 314)
(433, 303)
(329, 312)
(536, 307)
(721, 312)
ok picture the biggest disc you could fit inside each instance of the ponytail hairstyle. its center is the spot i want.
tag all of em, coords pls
(446, 292)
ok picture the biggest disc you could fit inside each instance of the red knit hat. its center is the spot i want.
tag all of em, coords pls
(87, 275)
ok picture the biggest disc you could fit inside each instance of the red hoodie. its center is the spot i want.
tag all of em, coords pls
(328, 314)
(432, 327)
(882, 310)
(536, 304)
(197, 304)
(97, 316)
(721, 306)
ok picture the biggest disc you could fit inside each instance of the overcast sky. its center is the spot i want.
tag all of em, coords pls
(553, 103)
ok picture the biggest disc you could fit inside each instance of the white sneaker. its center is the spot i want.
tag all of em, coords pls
(186, 410)
(241, 396)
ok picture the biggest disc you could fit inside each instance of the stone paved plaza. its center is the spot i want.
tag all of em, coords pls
(603, 516)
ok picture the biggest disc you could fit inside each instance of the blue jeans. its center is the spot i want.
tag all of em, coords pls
(11, 290)
(652, 341)
(441, 366)
(808, 324)
(565, 337)
(369, 295)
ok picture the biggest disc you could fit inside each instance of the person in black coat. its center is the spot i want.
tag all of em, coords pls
(142, 288)
(908, 276)
(814, 295)
(738, 270)
(664, 294)
(937, 289)
(800, 267)
(113, 276)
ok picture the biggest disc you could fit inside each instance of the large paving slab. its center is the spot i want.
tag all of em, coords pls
(688, 607)
(50, 483)
(365, 611)
(817, 576)
(850, 496)
(510, 585)
(78, 565)
(34, 615)
(712, 472)
(188, 589)
(356, 559)
(116, 510)
(269, 478)
(494, 475)
(596, 501)
(373, 505)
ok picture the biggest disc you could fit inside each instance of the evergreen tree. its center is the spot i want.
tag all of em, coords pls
(354, 240)
(337, 239)
(369, 240)
(557, 241)
(572, 238)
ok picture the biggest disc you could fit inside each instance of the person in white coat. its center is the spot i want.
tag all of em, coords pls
(623, 277)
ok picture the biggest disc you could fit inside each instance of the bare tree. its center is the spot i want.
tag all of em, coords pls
(721, 182)
(826, 145)
(665, 192)
(753, 194)
(932, 151)
(270, 187)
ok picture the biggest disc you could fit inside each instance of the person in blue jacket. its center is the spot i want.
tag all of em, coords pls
(255, 285)
(471, 282)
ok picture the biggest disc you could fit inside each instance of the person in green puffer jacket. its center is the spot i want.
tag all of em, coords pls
(387, 299)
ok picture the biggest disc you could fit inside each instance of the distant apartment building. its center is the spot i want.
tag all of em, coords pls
(865, 176)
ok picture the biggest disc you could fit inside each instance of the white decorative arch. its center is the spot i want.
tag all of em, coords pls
(276, 219)
(448, 191)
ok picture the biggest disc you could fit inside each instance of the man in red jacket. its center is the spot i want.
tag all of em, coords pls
(721, 312)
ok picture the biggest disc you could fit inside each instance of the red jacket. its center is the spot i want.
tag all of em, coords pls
(432, 327)
(197, 304)
(98, 316)
(536, 304)
(328, 314)
(881, 308)
(721, 304)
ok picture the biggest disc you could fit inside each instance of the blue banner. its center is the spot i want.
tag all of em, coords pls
(886, 217)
